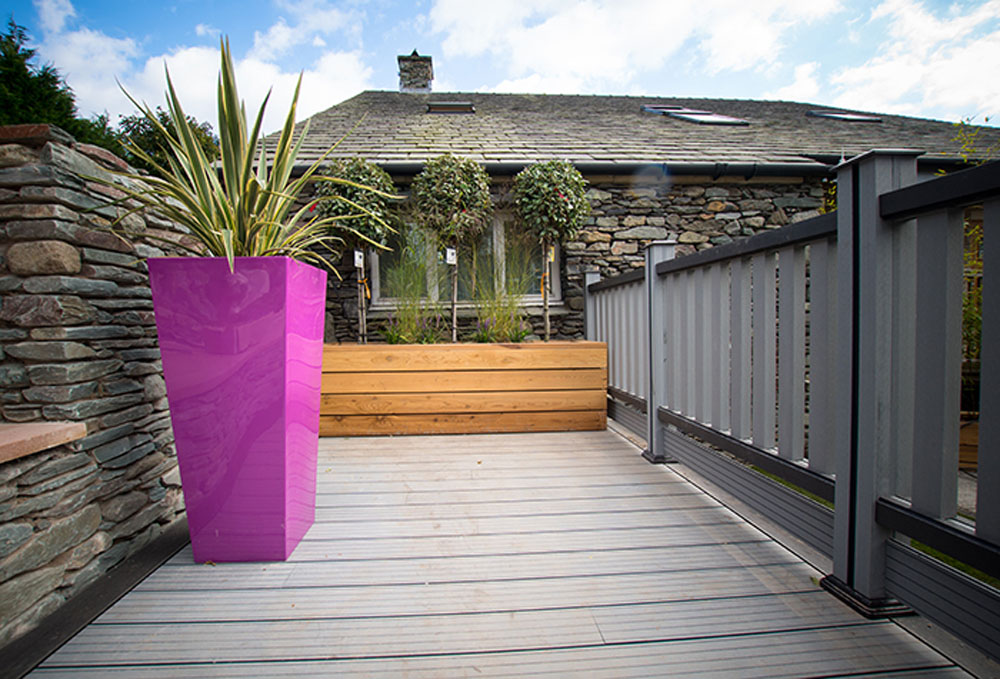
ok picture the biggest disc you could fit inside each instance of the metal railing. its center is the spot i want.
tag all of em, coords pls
(828, 354)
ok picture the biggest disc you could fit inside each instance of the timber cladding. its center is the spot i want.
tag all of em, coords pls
(381, 389)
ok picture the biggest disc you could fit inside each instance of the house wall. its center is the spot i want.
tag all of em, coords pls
(627, 214)
(77, 343)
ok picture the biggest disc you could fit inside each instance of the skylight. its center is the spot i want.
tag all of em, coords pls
(845, 115)
(450, 107)
(693, 115)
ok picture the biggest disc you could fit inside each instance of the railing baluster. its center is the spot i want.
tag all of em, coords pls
(666, 313)
(739, 327)
(619, 330)
(938, 363)
(705, 363)
(713, 335)
(722, 314)
(692, 341)
(644, 341)
(763, 351)
(988, 503)
(899, 472)
(700, 336)
(791, 352)
(822, 342)
(680, 333)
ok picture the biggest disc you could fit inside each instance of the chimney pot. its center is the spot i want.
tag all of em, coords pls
(415, 73)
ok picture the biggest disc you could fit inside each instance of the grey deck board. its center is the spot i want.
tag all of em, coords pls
(501, 556)
(511, 543)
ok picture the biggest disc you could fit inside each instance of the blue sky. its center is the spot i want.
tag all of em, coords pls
(928, 59)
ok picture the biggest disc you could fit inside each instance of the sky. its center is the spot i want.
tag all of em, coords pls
(922, 58)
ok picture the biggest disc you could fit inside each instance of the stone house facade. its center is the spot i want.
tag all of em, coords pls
(700, 172)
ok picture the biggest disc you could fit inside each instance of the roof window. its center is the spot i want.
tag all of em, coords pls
(693, 115)
(450, 107)
(845, 115)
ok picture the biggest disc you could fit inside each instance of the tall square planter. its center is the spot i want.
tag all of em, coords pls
(242, 355)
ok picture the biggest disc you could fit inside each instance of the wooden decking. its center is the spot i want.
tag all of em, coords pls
(499, 555)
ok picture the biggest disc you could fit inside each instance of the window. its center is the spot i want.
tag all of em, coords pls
(845, 115)
(693, 115)
(450, 107)
(504, 254)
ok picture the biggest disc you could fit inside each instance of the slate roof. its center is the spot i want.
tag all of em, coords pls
(508, 130)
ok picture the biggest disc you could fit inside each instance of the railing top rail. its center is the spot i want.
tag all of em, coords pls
(958, 189)
(616, 281)
(824, 226)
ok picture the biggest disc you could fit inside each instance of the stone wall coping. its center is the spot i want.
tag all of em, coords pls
(22, 439)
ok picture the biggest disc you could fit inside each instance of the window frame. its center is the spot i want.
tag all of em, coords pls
(499, 224)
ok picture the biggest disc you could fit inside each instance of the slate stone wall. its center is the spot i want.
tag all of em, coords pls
(697, 213)
(77, 343)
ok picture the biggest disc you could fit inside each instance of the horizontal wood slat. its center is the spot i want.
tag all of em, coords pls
(462, 402)
(463, 380)
(403, 357)
(457, 423)
(463, 388)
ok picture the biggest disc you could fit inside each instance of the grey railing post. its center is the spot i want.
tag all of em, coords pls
(590, 306)
(656, 309)
(864, 387)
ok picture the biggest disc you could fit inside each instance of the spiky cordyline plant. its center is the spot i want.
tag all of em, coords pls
(249, 211)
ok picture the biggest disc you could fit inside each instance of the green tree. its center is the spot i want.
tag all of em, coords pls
(140, 131)
(357, 196)
(38, 94)
(30, 93)
(453, 198)
(550, 201)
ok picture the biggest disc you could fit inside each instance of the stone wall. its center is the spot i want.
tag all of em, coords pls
(78, 344)
(698, 213)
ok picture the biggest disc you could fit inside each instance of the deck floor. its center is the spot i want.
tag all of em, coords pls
(503, 555)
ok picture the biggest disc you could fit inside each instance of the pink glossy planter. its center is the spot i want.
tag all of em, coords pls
(242, 358)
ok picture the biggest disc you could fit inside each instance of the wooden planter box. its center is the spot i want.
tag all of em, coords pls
(380, 389)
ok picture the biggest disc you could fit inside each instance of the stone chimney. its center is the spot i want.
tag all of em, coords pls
(415, 73)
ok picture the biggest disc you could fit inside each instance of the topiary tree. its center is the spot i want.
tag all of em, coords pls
(356, 194)
(549, 198)
(453, 199)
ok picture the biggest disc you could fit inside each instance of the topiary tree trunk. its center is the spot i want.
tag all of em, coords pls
(546, 286)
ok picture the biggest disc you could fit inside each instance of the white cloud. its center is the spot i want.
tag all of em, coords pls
(946, 63)
(276, 41)
(53, 14)
(540, 84)
(804, 88)
(194, 72)
(311, 20)
(207, 31)
(597, 45)
(91, 61)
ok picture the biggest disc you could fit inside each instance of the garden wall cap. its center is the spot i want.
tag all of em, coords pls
(612, 134)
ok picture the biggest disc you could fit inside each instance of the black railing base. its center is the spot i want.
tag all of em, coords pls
(656, 458)
(885, 607)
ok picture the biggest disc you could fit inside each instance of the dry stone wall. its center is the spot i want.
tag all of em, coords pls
(77, 343)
